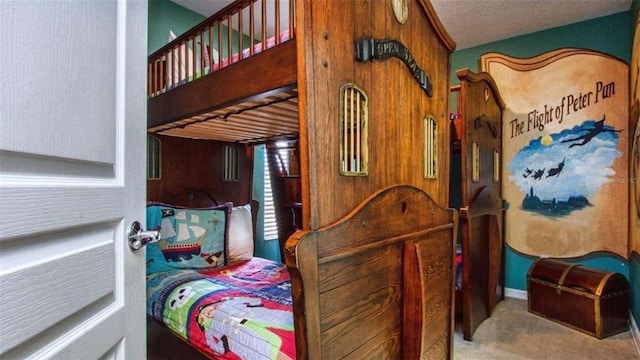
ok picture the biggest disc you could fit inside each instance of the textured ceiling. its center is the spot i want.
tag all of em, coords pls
(476, 22)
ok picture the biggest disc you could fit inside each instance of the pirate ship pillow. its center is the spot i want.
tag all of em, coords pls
(189, 238)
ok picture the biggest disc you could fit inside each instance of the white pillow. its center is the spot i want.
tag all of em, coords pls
(240, 243)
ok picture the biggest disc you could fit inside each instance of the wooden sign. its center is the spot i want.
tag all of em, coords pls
(565, 151)
(374, 49)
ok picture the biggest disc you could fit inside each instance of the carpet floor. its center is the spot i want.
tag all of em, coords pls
(512, 333)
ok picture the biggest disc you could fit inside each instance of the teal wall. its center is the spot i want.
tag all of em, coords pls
(608, 34)
(164, 16)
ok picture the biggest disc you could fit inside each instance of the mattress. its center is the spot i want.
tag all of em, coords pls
(240, 311)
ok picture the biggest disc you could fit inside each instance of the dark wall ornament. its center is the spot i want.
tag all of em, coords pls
(374, 49)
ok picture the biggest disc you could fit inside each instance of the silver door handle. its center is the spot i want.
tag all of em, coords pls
(139, 238)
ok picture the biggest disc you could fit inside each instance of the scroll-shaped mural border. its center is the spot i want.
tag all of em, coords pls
(634, 166)
(566, 148)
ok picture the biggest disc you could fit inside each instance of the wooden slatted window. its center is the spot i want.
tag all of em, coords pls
(430, 147)
(230, 164)
(153, 158)
(475, 162)
(354, 136)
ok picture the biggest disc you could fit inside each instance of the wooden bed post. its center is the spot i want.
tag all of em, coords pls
(304, 293)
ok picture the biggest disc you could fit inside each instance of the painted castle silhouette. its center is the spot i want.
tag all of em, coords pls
(553, 207)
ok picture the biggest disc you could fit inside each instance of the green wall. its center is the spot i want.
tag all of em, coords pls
(608, 34)
(164, 16)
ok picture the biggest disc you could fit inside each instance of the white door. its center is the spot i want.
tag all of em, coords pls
(72, 150)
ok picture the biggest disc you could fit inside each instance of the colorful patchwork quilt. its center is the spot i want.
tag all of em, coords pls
(241, 311)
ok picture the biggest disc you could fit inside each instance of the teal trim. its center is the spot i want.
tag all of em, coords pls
(264, 249)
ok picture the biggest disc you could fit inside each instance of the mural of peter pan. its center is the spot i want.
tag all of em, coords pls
(560, 171)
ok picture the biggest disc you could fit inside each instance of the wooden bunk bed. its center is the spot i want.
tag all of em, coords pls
(375, 246)
(477, 139)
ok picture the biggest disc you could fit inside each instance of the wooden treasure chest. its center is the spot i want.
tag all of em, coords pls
(592, 301)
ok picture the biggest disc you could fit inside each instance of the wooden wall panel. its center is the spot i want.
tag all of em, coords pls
(197, 164)
(397, 104)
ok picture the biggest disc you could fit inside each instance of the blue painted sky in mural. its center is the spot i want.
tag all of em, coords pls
(586, 167)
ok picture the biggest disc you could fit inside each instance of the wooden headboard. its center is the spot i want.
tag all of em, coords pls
(193, 198)
(378, 283)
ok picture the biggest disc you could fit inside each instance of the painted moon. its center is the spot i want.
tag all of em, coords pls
(546, 140)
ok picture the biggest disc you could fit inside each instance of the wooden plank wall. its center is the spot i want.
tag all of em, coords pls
(327, 32)
(197, 164)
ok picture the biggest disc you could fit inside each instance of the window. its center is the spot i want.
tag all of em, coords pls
(230, 163)
(354, 148)
(475, 162)
(270, 224)
(286, 161)
(430, 147)
(153, 158)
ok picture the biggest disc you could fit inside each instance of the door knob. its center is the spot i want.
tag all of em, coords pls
(139, 238)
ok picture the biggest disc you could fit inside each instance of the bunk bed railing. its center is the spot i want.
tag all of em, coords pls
(235, 33)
